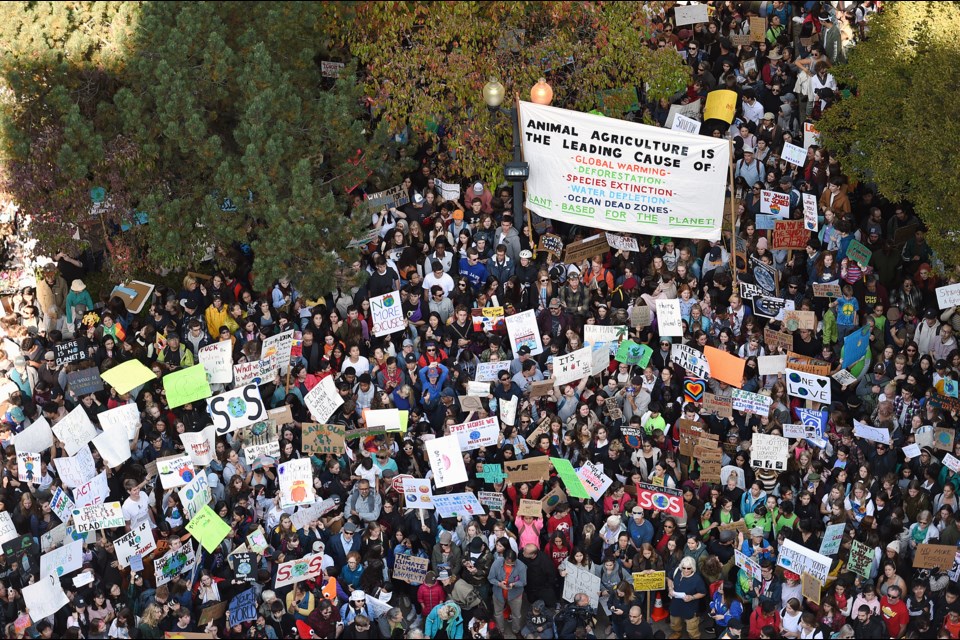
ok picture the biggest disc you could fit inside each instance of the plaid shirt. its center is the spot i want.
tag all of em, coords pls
(904, 411)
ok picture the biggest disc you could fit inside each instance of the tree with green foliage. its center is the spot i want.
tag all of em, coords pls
(900, 128)
(425, 64)
(212, 119)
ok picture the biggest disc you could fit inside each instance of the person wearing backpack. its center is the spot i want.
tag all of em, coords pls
(749, 168)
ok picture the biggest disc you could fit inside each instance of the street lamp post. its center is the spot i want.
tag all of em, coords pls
(517, 171)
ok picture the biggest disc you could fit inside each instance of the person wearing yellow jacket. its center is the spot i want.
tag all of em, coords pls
(217, 315)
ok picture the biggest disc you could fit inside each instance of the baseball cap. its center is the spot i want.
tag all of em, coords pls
(446, 537)
(768, 116)
(410, 357)
(478, 188)
(524, 350)
(756, 531)
(358, 595)
(874, 230)
(748, 149)
(555, 303)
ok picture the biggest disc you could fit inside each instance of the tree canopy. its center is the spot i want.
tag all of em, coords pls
(425, 64)
(899, 129)
(210, 120)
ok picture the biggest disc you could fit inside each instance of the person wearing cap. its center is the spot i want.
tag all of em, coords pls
(526, 268)
(356, 606)
(575, 297)
(554, 320)
(748, 168)
(175, 354)
(756, 547)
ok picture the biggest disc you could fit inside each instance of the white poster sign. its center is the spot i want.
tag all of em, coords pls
(488, 371)
(656, 181)
(387, 314)
(238, 408)
(44, 598)
(76, 470)
(522, 330)
(769, 452)
(581, 581)
(693, 13)
(296, 482)
(794, 154)
(775, 203)
(594, 480)
(62, 560)
(113, 445)
(175, 471)
(217, 361)
(771, 365)
(276, 349)
(387, 419)
(873, 434)
(8, 531)
(194, 495)
(685, 124)
(200, 446)
(478, 433)
(669, 320)
(799, 559)
(810, 220)
(446, 460)
(808, 386)
(948, 296)
(98, 516)
(28, 467)
(139, 541)
(623, 243)
(256, 372)
(508, 410)
(323, 400)
(37, 438)
(694, 362)
(572, 366)
(451, 505)
(417, 493)
(93, 492)
(612, 335)
(126, 417)
(75, 430)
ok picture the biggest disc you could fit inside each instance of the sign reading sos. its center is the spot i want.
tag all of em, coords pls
(298, 570)
(660, 499)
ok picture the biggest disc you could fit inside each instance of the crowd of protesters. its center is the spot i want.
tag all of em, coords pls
(500, 574)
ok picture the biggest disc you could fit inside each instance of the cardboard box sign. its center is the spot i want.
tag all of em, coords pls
(529, 470)
(577, 252)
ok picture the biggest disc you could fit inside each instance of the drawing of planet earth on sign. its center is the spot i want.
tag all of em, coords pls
(475, 434)
(237, 407)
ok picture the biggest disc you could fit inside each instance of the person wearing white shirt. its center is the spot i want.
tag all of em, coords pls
(136, 508)
(752, 108)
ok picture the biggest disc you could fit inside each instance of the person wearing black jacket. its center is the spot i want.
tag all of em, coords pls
(541, 576)
(867, 625)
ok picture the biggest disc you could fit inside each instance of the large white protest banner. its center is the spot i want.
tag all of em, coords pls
(769, 452)
(75, 430)
(139, 541)
(691, 360)
(478, 433)
(37, 438)
(621, 176)
(387, 314)
(296, 482)
(573, 366)
(237, 408)
(669, 320)
(522, 330)
(8, 531)
(799, 559)
(323, 400)
(126, 417)
(217, 361)
(446, 461)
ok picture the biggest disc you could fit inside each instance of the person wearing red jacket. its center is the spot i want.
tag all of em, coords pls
(430, 593)
(766, 614)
